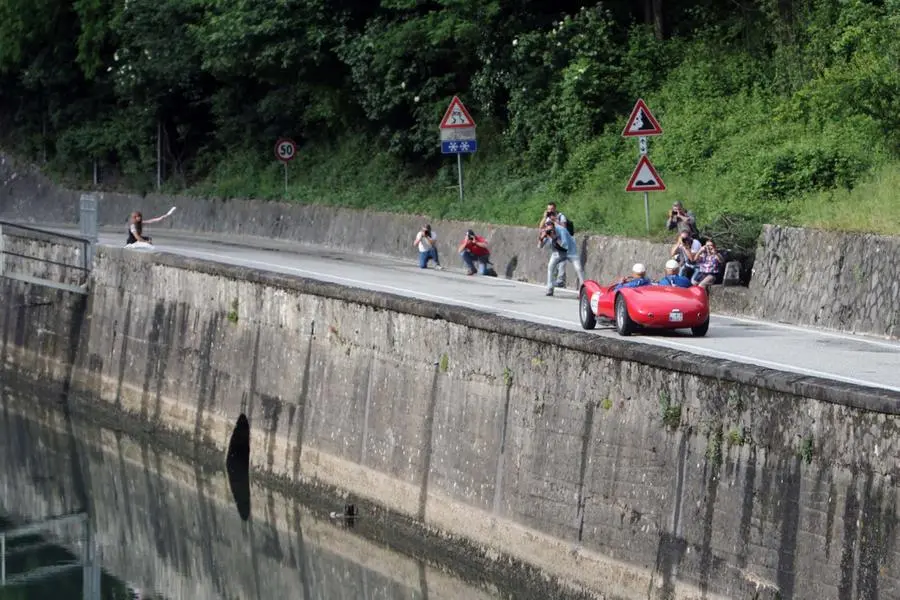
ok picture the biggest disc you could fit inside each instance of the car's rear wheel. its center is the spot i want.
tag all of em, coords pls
(624, 324)
(701, 329)
(588, 318)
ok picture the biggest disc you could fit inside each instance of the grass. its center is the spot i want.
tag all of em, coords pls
(870, 207)
(347, 173)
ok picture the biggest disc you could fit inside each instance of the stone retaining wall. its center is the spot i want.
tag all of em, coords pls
(622, 468)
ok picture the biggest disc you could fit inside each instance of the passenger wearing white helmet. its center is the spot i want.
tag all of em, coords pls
(637, 279)
(672, 277)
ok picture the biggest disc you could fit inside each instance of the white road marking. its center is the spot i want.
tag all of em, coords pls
(569, 322)
(860, 338)
(776, 365)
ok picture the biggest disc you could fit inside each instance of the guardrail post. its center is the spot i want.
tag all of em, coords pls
(88, 223)
(2, 254)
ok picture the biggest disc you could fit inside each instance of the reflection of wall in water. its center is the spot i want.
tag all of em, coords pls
(168, 526)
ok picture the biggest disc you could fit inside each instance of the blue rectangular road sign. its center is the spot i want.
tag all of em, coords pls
(459, 146)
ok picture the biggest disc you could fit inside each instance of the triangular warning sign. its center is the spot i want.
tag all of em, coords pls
(457, 116)
(645, 178)
(641, 122)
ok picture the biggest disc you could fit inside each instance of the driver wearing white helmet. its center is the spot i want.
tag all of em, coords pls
(672, 277)
(637, 279)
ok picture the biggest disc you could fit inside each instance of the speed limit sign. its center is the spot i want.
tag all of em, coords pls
(285, 149)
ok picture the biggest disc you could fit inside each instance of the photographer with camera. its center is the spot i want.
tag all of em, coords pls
(425, 241)
(685, 252)
(709, 263)
(683, 220)
(564, 249)
(552, 216)
(474, 249)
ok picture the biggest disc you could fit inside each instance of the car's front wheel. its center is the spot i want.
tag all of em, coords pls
(588, 318)
(701, 329)
(624, 324)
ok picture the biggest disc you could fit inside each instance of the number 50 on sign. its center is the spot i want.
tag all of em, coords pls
(285, 150)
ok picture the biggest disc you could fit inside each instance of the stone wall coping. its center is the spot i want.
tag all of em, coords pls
(786, 382)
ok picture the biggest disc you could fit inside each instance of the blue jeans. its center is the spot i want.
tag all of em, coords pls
(558, 259)
(430, 254)
(470, 259)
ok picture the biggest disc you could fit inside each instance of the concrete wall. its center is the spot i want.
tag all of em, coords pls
(633, 470)
(167, 525)
(826, 279)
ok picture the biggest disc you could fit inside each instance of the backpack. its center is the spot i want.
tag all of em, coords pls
(569, 226)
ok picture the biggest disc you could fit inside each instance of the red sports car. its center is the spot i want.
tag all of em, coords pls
(646, 306)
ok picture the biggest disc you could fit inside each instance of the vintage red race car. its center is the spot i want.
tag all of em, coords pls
(645, 307)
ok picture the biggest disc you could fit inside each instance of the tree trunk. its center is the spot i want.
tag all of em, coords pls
(158, 154)
(659, 23)
(653, 15)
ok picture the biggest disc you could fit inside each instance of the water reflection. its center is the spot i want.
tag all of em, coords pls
(161, 523)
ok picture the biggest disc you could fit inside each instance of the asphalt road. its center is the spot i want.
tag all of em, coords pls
(849, 358)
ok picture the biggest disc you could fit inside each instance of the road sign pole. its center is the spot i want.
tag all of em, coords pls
(647, 209)
(459, 168)
(285, 179)
(642, 124)
(642, 151)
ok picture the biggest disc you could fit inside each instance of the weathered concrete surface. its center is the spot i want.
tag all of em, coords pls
(48, 257)
(541, 444)
(170, 526)
(838, 281)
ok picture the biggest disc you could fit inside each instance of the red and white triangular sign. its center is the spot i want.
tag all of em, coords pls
(641, 122)
(645, 178)
(457, 116)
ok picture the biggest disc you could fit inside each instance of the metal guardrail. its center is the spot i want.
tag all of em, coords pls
(89, 564)
(88, 240)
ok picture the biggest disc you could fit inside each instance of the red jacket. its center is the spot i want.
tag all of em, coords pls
(477, 250)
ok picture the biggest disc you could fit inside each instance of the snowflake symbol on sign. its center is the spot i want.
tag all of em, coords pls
(453, 146)
(464, 146)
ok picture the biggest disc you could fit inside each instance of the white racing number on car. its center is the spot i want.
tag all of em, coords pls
(595, 302)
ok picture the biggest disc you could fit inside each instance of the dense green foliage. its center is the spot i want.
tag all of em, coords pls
(776, 110)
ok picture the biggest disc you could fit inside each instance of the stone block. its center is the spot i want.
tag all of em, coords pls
(732, 274)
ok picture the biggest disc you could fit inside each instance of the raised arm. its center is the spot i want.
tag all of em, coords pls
(160, 218)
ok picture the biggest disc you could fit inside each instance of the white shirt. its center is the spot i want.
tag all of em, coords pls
(424, 243)
(560, 218)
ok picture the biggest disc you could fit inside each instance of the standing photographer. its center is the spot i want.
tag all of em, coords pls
(553, 217)
(425, 242)
(564, 249)
(683, 220)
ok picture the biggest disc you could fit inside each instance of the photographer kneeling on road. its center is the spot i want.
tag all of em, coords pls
(474, 248)
(565, 248)
(425, 241)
